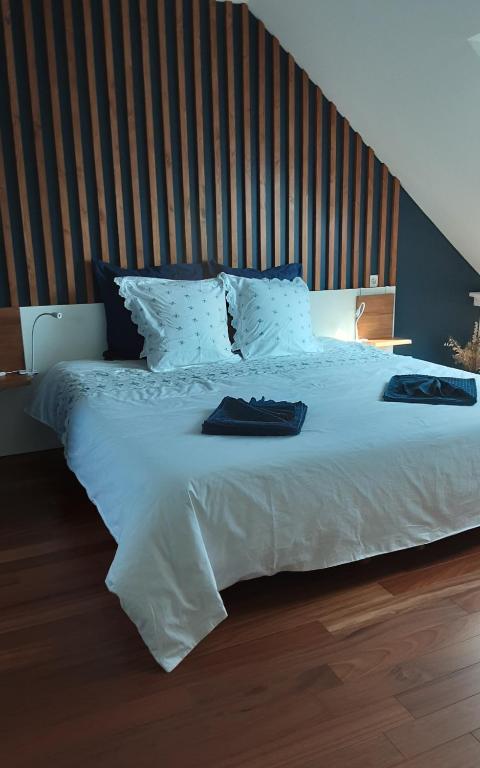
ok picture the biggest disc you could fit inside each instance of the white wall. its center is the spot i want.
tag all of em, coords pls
(405, 76)
(80, 335)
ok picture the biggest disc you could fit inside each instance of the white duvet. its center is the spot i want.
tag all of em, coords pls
(193, 513)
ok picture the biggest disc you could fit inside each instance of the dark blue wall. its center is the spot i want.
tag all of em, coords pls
(433, 283)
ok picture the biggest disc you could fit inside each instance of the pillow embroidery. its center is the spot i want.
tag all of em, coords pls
(183, 322)
(271, 317)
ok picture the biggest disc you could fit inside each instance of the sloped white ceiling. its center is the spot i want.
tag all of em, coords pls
(405, 75)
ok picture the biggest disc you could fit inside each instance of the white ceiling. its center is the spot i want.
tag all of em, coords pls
(405, 75)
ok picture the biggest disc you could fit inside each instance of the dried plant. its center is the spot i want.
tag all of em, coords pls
(467, 357)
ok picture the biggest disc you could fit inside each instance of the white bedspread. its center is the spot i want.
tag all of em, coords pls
(193, 513)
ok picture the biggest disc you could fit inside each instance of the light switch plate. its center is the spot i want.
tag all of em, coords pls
(373, 281)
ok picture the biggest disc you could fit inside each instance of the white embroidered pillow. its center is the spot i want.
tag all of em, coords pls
(271, 318)
(183, 322)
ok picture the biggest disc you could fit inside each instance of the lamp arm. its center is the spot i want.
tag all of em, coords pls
(57, 315)
(358, 315)
(32, 357)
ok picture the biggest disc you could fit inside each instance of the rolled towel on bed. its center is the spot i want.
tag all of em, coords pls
(442, 390)
(235, 416)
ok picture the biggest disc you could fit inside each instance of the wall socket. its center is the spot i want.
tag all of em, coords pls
(373, 281)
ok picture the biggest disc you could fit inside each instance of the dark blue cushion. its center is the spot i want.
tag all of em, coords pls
(124, 343)
(284, 272)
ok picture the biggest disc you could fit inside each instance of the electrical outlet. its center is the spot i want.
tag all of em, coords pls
(373, 281)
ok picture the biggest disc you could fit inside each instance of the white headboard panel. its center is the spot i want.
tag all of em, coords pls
(333, 312)
(80, 335)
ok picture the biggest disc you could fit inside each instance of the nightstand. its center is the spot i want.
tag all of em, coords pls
(14, 380)
(382, 343)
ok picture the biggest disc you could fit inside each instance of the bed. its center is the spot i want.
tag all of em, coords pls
(193, 514)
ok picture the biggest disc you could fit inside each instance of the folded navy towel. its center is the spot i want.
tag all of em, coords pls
(235, 416)
(442, 390)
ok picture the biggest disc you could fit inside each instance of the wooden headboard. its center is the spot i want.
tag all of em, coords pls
(11, 345)
(224, 111)
(377, 320)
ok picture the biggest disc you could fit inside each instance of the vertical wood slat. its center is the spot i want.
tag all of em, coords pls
(291, 159)
(247, 149)
(305, 150)
(7, 233)
(232, 143)
(394, 232)
(59, 154)
(345, 190)
(383, 226)
(276, 152)
(216, 131)
(149, 126)
(132, 133)
(19, 154)
(167, 135)
(356, 211)
(182, 109)
(261, 146)
(318, 186)
(95, 126)
(369, 220)
(112, 103)
(332, 197)
(40, 153)
(78, 150)
(197, 65)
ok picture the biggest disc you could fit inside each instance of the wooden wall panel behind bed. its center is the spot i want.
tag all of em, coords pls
(155, 131)
(11, 344)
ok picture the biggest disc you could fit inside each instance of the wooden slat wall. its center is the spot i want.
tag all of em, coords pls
(95, 128)
(232, 138)
(247, 138)
(150, 131)
(18, 152)
(332, 207)
(356, 210)
(182, 113)
(197, 63)
(81, 187)
(317, 254)
(33, 83)
(158, 118)
(369, 217)
(167, 136)
(114, 129)
(291, 159)
(305, 186)
(132, 134)
(262, 157)
(276, 152)
(345, 199)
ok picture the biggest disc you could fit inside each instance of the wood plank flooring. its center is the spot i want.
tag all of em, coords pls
(370, 665)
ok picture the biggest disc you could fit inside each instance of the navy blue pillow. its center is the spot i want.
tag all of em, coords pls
(124, 343)
(284, 272)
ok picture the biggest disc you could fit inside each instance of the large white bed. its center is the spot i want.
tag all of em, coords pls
(193, 514)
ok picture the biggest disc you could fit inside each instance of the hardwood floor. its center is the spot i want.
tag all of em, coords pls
(370, 665)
